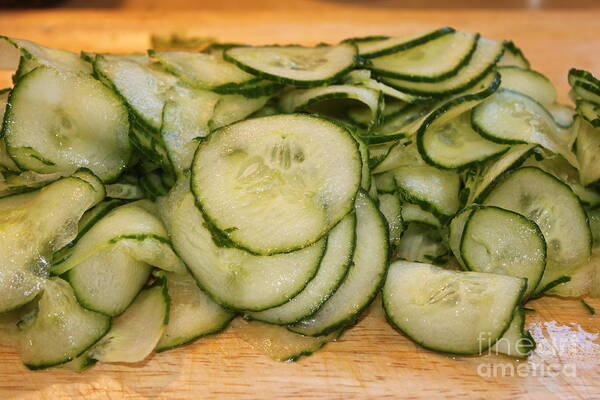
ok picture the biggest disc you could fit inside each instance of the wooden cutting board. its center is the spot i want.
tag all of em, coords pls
(371, 360)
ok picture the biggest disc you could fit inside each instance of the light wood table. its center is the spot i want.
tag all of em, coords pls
(371, 360)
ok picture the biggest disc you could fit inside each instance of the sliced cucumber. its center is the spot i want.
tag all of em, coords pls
(362, 77)
(33, 225)
(415, 213)
(135, 333)
(234, 108)
(385, 182)
(530, 83)
(433, 189)
(553, 206)
(516, 341)
(6, 163)
(295, 65)
(282, 181)
(78, 123)
(391, 208)
(303, 99)
(422, 243)
(456, 229)
(108, 281)
(480, 64)
(432, 61)
(503, 242)
(61, 330)
(588, 145)
(453, 312)
(332, 271)
(404, 153)
(232, 277)
(403, 123)
(277, 342)
(513, 56)
(192, 314)
(124, 191)
(364, 279)
(584, 280)
(579, 75)
(589, 111)
(563, 115)
(587, 91)
(375, 46)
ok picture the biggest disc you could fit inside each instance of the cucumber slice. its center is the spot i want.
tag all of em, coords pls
(124, 191)
(513, 56)
(530, 83)
(332, 271)
(362, 77)
(589, 111)
(455, 232)
(415, 213)
(375, 46)
(516, 341)
(33, 225)
(78, 123)
(512, 117)
(363, 149)
(433, 189)
(403, 123)
(482, 61)
(192, 314)
(135, 229)
(390, 207)
(553, 206)
(364, 279)
(433, 61)
(232, 277)
(186, 116)
(587, 91)
(135, 333)
(6, 163)
(108, 281)
(448, 311)
(564, 116)
(513, 158)
(588, 145)
(80, 364)
(278, 343)
(579, 75)
(385, 182)
(284, 181)
(295, 65)
(422, 243)
(62, 329)
(303, 99)
(404, 153)
(584, 280)
(234, 108)
(503, 242)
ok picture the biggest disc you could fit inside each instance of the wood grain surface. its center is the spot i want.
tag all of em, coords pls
(371, 360)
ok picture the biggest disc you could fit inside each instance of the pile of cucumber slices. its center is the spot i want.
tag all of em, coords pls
(148, 200)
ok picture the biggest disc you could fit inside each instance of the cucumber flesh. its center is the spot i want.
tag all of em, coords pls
(453, 312)
(415, 213)
(284, 181)
(588, 145)
(379, 46)
(364, 279)
(391, 208)
(516, 341)
(62, 329)
(192, 314)
(421, 243)
(530, 83)
(233, 108)
(135, 333)
(589, 111)
(513, 57)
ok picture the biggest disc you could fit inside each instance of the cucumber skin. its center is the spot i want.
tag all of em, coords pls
(195, 338)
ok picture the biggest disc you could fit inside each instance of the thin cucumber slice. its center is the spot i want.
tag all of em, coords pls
(594, 220)
(302, 99)
(363, 149)
(588, 146)
(6, 163)
(433, 61)
(295, 65)
(282, 181)
(62, 330)
(385, 182)
(364, 279)
(79, 123)
(192, 314)
(584, 281)
(455, 232)
(415, 213)
(563, 115)
(512, 117)
(135, 333)
(589, 111)
(404, 153)
(433, 189)
(124, 191)
(587, 91)
(32, 226)
(422, 243)
(133, 227)
(528, 82)
(391, 208)
(234, 108)
(516, 341)
(503, 242)
(480, 64)
(513, 158)
(332, 271)
(553, 206)
(108, 281)
(404, 123)
(362, 77)
(579, 75)
(80, 364)
(277, 342)
(92, 216)
(381, 45)
(513, 56)
(186, 116)
(34, 55)
(448, 311)
(232, 277)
